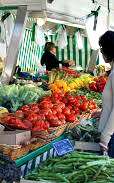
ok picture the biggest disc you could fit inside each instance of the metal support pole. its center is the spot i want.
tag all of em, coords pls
(13, 48)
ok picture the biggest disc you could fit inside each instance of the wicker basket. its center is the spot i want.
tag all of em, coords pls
(71, 126)
(14, 152)
(51, 134)
(37, 144)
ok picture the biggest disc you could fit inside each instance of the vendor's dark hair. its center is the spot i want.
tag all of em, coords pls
(106, 42)
(48, 46)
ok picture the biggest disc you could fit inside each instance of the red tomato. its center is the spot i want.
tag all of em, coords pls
(25, 108)
(28, 123)
(8, 118)
(92, 105)
(61, 105)
(77, 111)
(56, 123)
(66, 111)
(69, 106)
(19, 114)
(35, 108)
(45, 104)
(64, 100)
(32, 117)
(50, 112)
(77, 103)
(26, 113)
(57, 108)
(60, 116)
(77, 98)
(57, 96)
(93, 87)
(17, 123)
(84, 98)
(84, 106)
(47, 125)
(53, 111)
(66, 95)
(40, 126)
(47, 99)
(45, 111)
(71, 99)
(70, 118)
(72, 111)
(51, 117)
(41, 116)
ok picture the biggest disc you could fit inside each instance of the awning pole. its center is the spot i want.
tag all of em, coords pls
(12, 53)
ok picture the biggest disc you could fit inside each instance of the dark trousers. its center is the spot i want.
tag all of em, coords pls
(111, 147)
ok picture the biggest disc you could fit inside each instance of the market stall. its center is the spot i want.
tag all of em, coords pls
(48, 114)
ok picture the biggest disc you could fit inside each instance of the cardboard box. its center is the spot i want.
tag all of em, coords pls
(17, 137)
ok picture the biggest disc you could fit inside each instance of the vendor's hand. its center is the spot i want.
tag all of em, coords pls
(96, 114)
(71, 63)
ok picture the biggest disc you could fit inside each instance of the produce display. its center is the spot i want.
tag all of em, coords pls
(100, 69)
(64, 73)
(85, 133)
(51, 111)
(71, 99)
(90, 95)
(71, 84)
(14, 96)
(77, 167)
(98, 84)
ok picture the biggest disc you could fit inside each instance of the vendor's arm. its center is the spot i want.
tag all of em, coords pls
(67, 63)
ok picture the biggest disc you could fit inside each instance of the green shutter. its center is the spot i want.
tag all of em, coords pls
(86, 51)
(74, 48)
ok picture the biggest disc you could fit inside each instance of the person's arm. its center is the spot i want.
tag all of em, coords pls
(106, 105)
(109, 126)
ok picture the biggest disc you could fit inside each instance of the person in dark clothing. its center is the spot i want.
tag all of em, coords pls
(49, 58)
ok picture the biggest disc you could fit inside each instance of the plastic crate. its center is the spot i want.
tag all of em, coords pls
(34, 159)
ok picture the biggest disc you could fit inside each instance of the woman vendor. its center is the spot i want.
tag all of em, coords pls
(49, 58)
(106, 124)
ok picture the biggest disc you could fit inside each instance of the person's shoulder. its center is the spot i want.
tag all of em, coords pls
(111, 75)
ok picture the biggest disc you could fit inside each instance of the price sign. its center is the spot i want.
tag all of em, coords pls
(63, 147)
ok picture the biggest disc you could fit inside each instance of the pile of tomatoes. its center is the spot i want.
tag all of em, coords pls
(51, 111)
